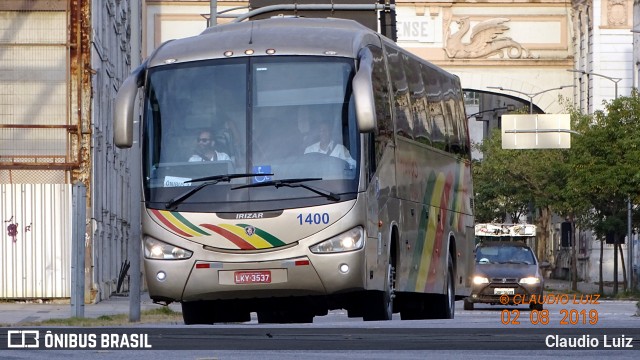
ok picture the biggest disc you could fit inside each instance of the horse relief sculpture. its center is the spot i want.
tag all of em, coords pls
(486, 39)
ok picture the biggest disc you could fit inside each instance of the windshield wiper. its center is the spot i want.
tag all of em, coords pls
(209, 180)
(293, 183)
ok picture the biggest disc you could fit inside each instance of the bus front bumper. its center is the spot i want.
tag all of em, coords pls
(308, 275)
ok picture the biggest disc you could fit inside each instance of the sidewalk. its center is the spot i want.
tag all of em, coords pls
(557, 285)
(17, 312)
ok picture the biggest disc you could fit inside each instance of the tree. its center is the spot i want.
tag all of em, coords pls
(604, 165)
(510, 181)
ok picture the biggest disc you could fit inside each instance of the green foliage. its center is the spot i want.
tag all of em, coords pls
(508, 181)
(589, 182)
(604, 164)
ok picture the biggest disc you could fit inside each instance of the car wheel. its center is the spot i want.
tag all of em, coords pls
(537, 307)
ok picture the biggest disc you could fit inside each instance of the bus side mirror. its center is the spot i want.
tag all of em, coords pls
(363, 94)
(124, 110)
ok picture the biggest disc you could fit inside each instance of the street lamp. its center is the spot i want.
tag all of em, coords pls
(615, 80)
(529, 95)
(508, 108)
(630, 283)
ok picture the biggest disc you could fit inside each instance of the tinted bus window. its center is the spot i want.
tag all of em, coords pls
(400, 87)
(418, 94)
(384, 131)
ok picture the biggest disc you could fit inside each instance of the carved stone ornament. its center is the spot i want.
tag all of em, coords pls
(617, 12)
(486, 40)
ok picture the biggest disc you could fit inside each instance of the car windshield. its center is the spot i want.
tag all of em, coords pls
(504, 254)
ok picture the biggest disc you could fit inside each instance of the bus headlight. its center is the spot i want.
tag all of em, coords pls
(156, 249)
(347, 241)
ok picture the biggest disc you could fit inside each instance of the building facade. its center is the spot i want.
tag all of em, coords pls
(62, 63)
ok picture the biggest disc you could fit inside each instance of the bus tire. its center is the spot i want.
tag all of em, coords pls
(197, 312)
(379, 305)
(285, 317)
(444, 305)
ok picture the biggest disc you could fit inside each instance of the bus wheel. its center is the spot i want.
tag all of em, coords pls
(444, 305)
(379, 305)
(197, 312)
(285, 317)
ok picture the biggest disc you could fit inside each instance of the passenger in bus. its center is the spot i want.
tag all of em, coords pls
(205, 148)
(326, 145)
(227, 139)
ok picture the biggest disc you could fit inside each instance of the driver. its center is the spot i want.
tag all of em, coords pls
(327, 146)
(205, 149)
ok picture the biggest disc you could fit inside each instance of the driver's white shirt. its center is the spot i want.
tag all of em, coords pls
(219, 156)
(335, 150)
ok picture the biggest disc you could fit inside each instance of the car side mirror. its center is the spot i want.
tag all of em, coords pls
(544, 264)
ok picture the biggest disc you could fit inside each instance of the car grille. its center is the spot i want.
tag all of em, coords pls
(504, 280)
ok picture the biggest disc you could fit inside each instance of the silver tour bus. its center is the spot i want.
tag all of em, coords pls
(292, 166)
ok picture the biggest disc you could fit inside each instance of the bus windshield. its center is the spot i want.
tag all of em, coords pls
(289, 116)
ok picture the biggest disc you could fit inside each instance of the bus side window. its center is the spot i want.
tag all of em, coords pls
(400, 87)
(460, 119)
(418, 102)
(435, 101)
(383, 133)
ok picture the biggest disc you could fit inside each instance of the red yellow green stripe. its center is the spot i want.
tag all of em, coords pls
(175, 220)
(188, 223)
(237, 240)
(427, 250)
(274, 241)
(439, 236)
(169, 224)
(457, 198)
(177, 223)
(256, 241)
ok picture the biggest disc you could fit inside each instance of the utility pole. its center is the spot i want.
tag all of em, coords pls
(213, 10)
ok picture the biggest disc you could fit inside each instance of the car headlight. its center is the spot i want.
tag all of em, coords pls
(156, 249)
(479, 280)
(347, 241)
(531, 280)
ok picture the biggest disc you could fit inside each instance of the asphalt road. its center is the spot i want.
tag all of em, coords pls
(487, 332)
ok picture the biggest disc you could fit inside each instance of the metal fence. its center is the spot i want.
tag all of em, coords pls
(35, 250)
(36, 129)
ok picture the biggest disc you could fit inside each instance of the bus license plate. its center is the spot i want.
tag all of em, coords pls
(504, 291)
(252, 277)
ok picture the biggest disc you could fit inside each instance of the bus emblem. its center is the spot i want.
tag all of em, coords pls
(250, 230)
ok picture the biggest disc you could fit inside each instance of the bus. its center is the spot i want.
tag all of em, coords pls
(380, 223)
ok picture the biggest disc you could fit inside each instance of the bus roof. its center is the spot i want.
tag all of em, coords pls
(286, 35)
(502, 230)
